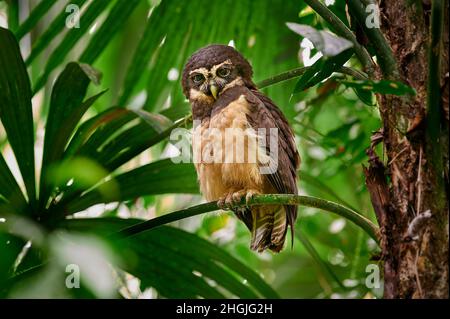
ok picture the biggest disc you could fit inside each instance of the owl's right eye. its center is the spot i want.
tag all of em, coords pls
(198, 78)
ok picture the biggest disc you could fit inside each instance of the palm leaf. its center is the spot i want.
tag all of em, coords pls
(161, 177)
(16, 110)
(9, 188)
(38, 12)
(72, 37)
(179, 264)
(44, 40)
(66, 110)
(114, 21)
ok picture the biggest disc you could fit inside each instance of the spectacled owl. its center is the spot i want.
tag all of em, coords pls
(217, 80)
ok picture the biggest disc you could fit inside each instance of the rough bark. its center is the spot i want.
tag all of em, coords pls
(411, 198)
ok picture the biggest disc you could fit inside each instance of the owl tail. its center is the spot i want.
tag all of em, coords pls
(268, 228)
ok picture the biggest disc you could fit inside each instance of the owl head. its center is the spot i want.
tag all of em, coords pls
(212, 70)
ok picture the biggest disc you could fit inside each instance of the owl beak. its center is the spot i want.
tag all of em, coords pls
(214, 90)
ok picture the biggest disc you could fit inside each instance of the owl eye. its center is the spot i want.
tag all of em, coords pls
(198, 78)
(223, 72)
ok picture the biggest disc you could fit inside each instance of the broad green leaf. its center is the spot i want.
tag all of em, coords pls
(44, 40)
(118, 141)
(92, 256)
(9, 188)
(6, 208)
(114, 21)
(325, 42)
(66, 110)
(87, 18)
(38, 12)
(115, 136)
(382, 86)
(365, 96)
(161, 177)
(44, 271)
(96, 126)
(10, 247)
(303, 82)
(178, 263)
(16, 110)
(177, 112)
(82, 174)
(168, 276)
(321, 70)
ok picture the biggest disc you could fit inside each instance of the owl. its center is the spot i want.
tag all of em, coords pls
(217, 81)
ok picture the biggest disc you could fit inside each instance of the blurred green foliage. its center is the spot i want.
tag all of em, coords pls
(111, 152)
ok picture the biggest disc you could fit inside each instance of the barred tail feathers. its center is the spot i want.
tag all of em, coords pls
(269, 227)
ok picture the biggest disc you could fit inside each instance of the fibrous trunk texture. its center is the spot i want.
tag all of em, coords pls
(409, 188)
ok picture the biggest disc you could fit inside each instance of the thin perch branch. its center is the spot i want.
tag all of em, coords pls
(299, 71)
(285, 199)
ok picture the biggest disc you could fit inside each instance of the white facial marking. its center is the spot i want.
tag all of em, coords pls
(216, 67)
(203, 71)
(200, 96)
(213, 70)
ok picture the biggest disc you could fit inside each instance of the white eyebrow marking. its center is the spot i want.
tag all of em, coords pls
(214, 68)
(206, 72)
(203, 71)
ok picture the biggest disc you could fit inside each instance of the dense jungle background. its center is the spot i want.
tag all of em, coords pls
(90, 92)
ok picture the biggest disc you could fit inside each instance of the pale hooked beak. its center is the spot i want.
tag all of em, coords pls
(214, 90)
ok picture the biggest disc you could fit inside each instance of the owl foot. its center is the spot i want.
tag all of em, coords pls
(233, 199)
(250, 194)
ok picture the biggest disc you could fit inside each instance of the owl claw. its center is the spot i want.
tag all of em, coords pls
(250, 194)
(226, 202)
(221, 203)
(237, 196)
(233, 199)
(229, 200)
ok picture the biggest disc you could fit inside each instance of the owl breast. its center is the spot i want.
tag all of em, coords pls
(227, 153)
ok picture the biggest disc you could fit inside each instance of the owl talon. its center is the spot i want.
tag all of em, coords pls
(233, 199)
(226, 202)
(237, 197)
(221, 203)
(229, 200)
(250, 195)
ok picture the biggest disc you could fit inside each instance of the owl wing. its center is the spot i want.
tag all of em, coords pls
(265, 114)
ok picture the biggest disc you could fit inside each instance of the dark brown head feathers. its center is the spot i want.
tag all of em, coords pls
(215, 54)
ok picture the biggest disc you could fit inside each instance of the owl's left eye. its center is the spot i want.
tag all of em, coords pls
(198, 78)
(223, 72)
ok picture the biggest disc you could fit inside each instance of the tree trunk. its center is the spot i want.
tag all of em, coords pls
(409, 189)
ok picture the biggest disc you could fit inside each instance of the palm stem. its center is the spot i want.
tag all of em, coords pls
(385, 56)
(284, 199)
(299, 71)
